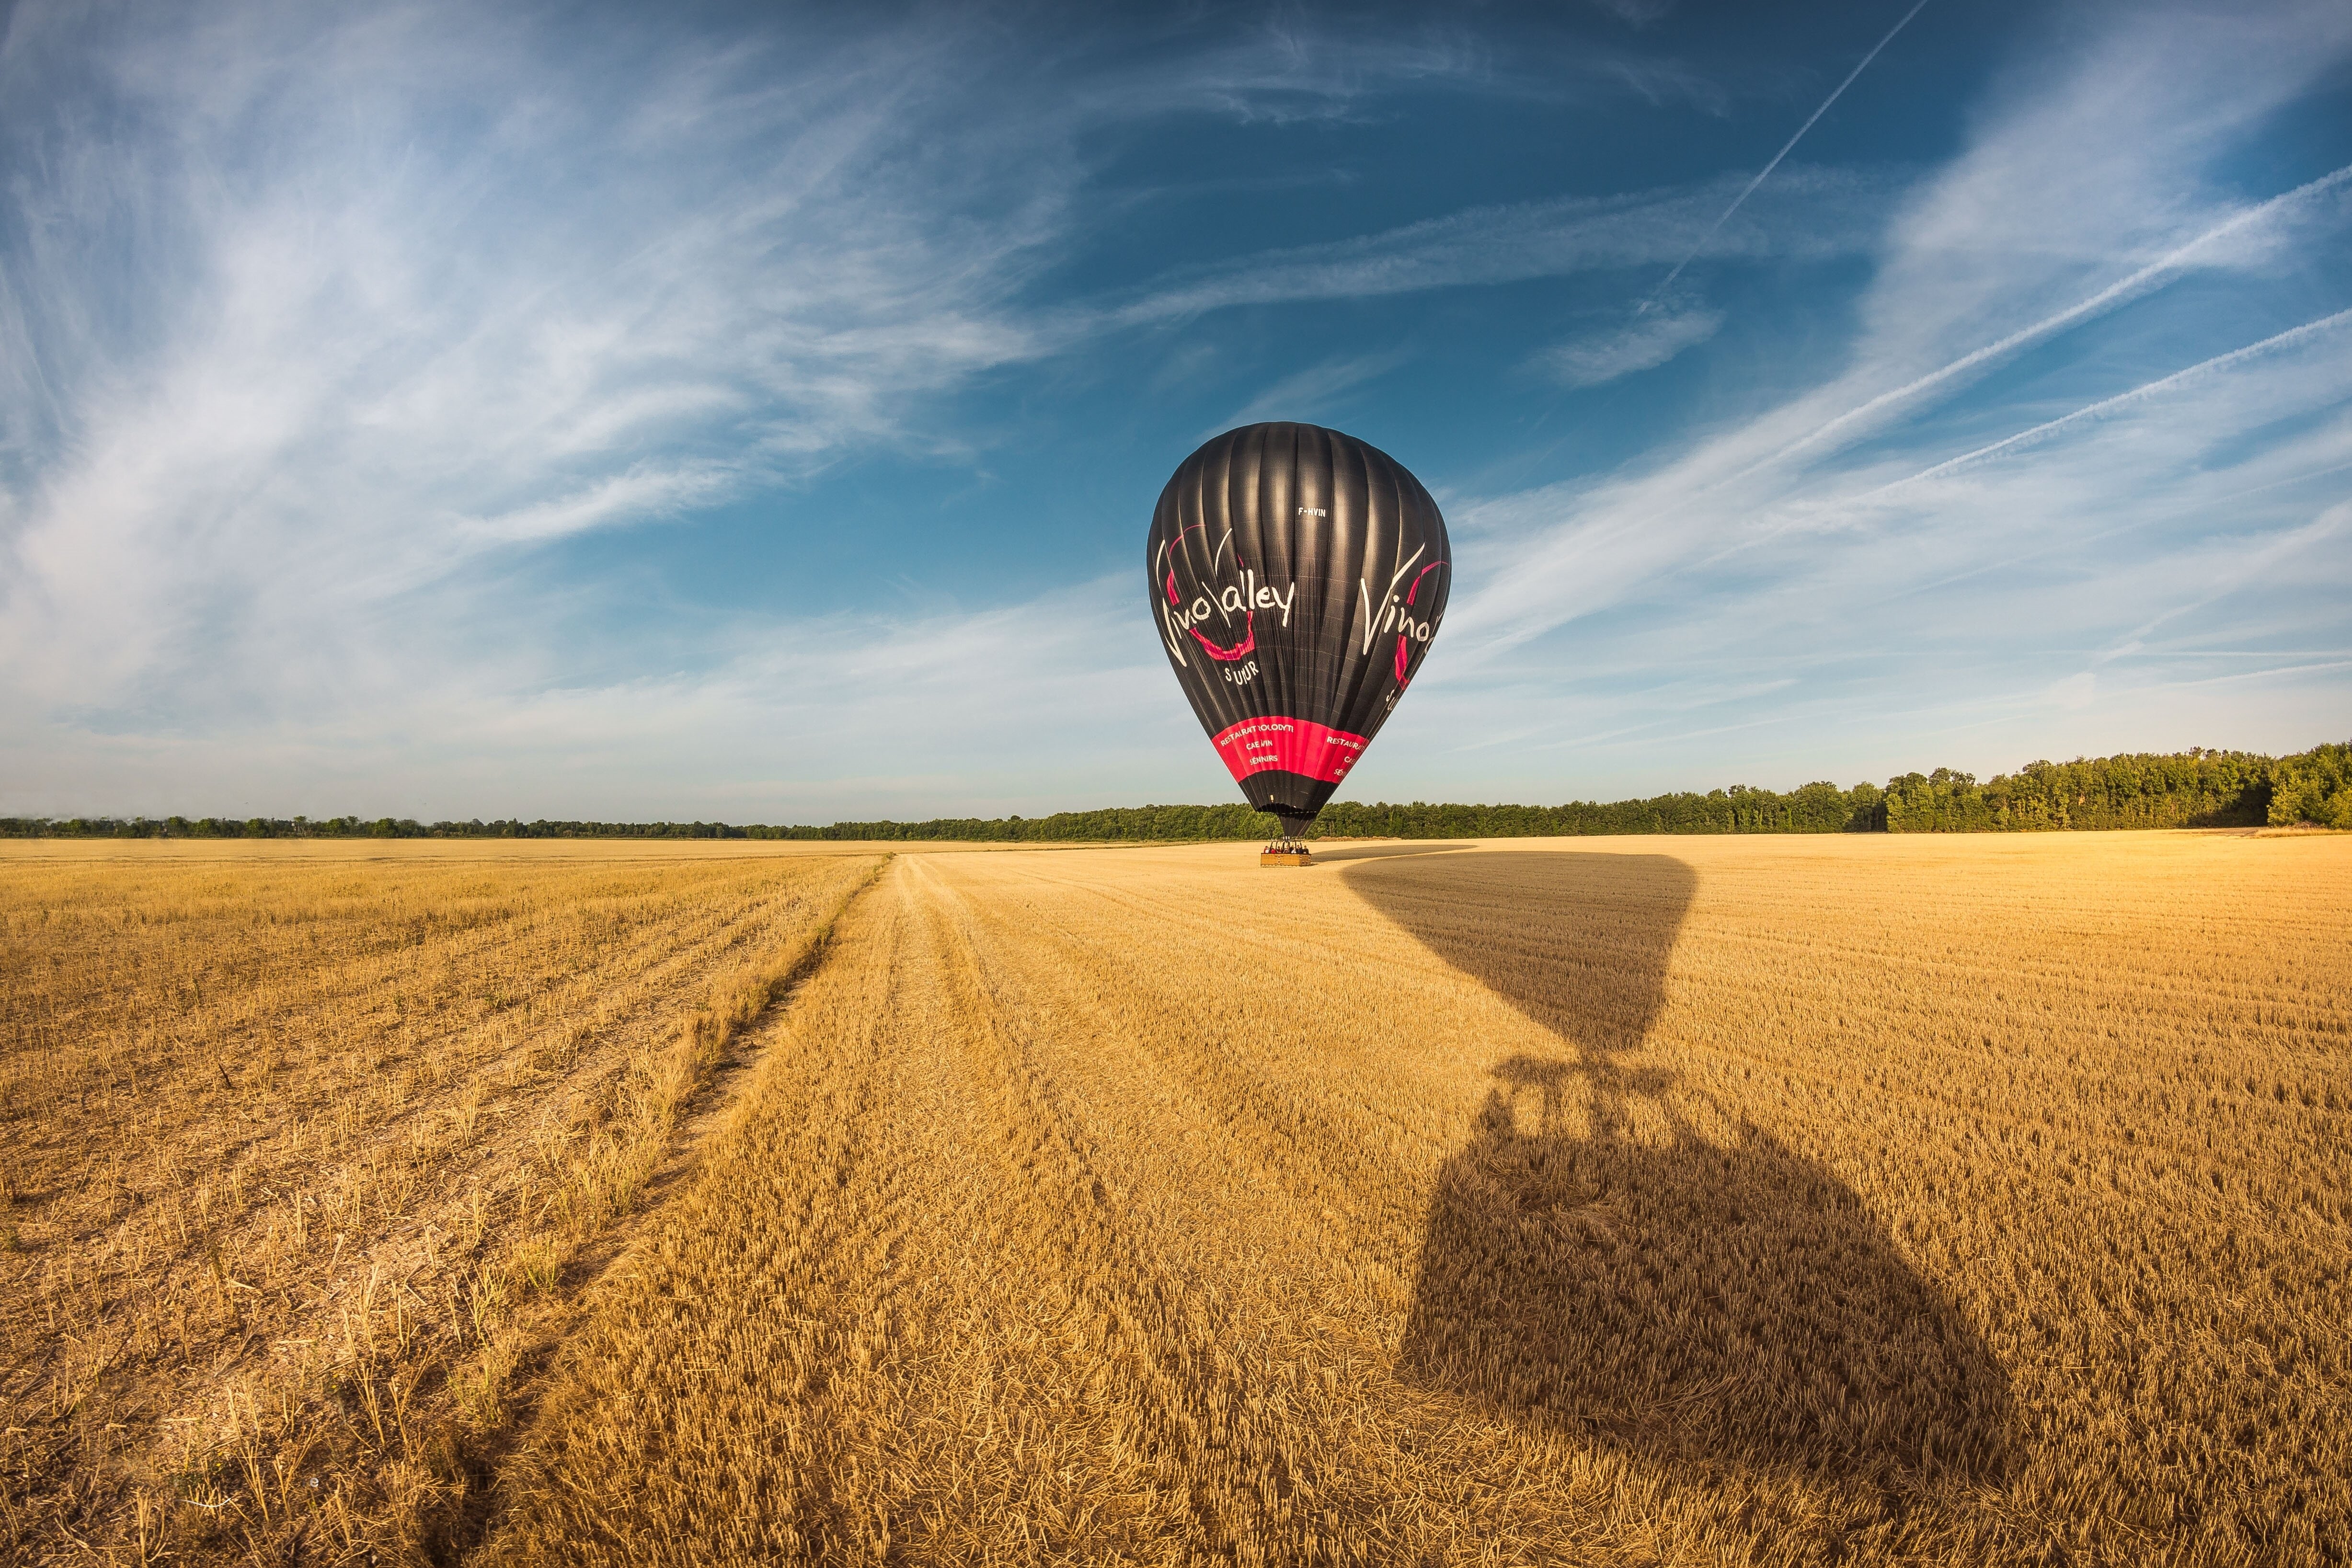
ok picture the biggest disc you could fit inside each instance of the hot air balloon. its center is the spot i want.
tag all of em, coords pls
(1297, 577)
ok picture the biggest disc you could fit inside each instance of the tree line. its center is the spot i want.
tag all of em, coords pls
(2193, 788)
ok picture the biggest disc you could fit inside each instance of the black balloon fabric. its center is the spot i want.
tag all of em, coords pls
(1298, 577)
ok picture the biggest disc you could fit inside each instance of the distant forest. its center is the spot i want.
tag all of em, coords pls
(2193, 788)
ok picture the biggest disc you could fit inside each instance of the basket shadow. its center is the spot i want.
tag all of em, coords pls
(1592, 1262)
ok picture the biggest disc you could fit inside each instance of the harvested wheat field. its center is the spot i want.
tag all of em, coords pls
(305, 1148)
(1750, 1200)
(1643, 1201)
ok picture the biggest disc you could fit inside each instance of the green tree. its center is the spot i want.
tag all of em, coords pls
(2315, 787)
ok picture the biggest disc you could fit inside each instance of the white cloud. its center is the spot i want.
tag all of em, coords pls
(306, 363)
(2075, 693)
(348, 317)
(1312, 392)
(1948, 304)
(804, 719)
(413, 288)
(1805, 213)
(1918, 556)
(1635, 13)
(1645, 344)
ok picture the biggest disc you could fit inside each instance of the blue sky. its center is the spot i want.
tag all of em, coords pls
(456, 410)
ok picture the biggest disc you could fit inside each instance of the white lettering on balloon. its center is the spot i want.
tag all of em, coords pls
(1388, 616)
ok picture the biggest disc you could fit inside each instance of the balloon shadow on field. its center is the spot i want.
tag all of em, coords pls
(1386, 851)
(1592, 1263)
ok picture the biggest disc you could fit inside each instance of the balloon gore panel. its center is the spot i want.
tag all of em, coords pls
(1297, 577)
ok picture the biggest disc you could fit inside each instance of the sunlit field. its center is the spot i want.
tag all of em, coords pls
(305, 1149)
(1968, 1199)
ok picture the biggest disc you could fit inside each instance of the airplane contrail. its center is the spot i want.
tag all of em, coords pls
(2121, 288)
(1750, 189)
(2291, 336)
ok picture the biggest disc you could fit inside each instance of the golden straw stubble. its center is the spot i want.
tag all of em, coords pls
(1966, 1200)
(307, 1149)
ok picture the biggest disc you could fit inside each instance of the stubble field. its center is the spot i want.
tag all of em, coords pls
(1967, 1200)
(305, 1150)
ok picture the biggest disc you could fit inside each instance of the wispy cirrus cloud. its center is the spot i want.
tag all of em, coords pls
(325, 337)
(804, 718)
(341, 320)
(342, 307)
(2311, 334)
(1811, 213)
(1865, 535)
(371, 348)
(1769, 461)
(1641, 344)
(1635, 13)
(1311, 393)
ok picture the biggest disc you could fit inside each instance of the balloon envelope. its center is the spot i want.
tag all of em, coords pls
(1298, 577)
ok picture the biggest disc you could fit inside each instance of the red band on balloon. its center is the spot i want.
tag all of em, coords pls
(1248, 644)
(1292, 745)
